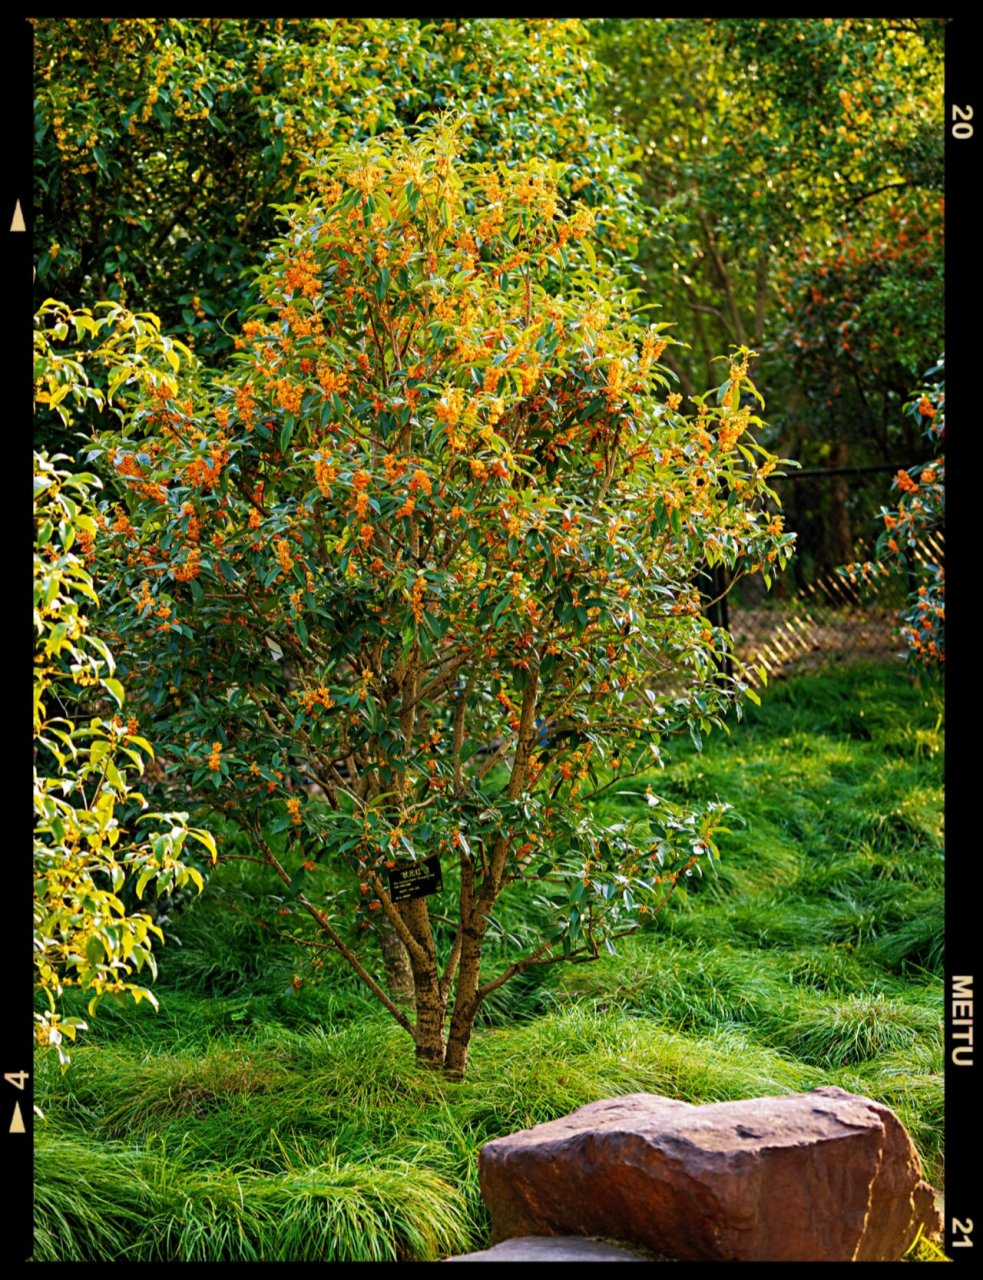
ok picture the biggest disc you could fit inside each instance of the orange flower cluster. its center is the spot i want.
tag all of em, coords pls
(926, 408)
(360, 483)
(730, 433)
(86, 542)
(319, 697)
(905, 483)
(301, 275)
(283, 555)
(288, 395)
(301, 326)
(160, 393)
(191, 566)
(157, 492)
(293, 808)
(615, 382)
(193, 532)
(215, 758)
(393, 468)
(496, 407)
(449, 410)
(652, 347)
(421, 482)
(246, 406)
(417, 593)
(325, 473)
(330, 382)
(205, 473)
(529, 375)
(128, 466)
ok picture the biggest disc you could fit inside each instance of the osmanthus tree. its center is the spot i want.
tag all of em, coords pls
(429, 569)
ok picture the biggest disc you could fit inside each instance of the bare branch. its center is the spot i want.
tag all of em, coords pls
(336, 940)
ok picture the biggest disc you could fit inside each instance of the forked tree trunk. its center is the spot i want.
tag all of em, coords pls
(431, 1003)
(429, 1031)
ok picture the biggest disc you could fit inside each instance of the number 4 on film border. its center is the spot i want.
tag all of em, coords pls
(19, 1080)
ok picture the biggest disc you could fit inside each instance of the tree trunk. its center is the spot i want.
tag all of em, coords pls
(429, 1032)
(399, 972)
(465, 1003)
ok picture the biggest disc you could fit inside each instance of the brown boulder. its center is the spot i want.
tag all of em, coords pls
(821, 1176)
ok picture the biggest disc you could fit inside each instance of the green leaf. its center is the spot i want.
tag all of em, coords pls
(206, 838)
(113, 686)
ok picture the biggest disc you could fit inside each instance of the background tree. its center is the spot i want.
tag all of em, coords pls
(920, 510)
(444, 505)
(860, 311)
(790, 156)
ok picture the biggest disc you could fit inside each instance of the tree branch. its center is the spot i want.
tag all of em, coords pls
(888, 186)
(337, 942)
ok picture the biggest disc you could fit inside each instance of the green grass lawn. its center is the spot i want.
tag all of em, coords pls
(247, 1120)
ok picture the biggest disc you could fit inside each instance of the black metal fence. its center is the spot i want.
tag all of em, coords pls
(812, 614)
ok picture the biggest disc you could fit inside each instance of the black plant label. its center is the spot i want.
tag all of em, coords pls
(417, 880)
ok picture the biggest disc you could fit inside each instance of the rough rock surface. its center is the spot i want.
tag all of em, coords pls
(821, 1176)
(552, 1249)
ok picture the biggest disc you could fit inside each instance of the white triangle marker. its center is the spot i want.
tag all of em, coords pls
(17, 222)
(17, 1123)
